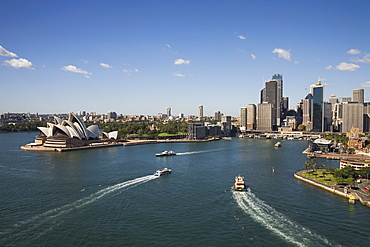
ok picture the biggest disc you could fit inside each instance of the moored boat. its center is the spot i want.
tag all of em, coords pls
(162, 172)
(239, 184)
(166, 153)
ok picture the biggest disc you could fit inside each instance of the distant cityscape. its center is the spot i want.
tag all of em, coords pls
(312, 114)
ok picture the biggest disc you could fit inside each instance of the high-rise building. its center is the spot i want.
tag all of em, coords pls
(226, 125)
(307, 112)
(352, 116)
(243, 117)
(218, 116)
(317, 91)
(264, 117)
(358, 96)
(200, 111)
(273, 94)
(112, 115)
(333, 100)
(168, 110)
(328, 117)
(346, 99)
(251, 117)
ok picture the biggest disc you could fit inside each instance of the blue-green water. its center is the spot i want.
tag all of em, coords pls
(108, 197)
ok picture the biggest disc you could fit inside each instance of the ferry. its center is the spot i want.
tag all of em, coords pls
(278, 144)
(239, 184)
(162, 172)
(166, 153)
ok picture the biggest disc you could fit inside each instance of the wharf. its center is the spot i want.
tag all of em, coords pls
(334, 155)
(359, 195)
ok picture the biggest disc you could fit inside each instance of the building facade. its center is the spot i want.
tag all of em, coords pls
(264, 117)
(317, 91)
(352, 116)
(251, 117)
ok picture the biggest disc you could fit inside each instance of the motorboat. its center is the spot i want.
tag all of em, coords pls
(239, 184)
(278, 144)
(166, 153)
(162, 172)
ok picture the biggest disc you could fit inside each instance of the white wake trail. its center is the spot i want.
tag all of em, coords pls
(277, 222)
(41, 220)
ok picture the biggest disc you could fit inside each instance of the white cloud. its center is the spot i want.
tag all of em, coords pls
(330, 67)
(5, 53)
(74, 69)
(19, 63)
(253, 56)
(354, 51)
(107, 66)
(84, 61)
(347, 66)
(181, 61)
(365, 59)
(179, 75)
(129, 72)
(365, 84)
(282, 53)
(242, 37)
(169, 46)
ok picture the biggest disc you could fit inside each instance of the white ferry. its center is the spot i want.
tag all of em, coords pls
(239, 184)
(162, 172)
(166, 153)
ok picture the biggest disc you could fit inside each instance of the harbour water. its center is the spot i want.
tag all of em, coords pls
(109, 197)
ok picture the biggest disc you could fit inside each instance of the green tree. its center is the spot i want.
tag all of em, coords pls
(308, 165)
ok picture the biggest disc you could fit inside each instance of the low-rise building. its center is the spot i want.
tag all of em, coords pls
(355, 163)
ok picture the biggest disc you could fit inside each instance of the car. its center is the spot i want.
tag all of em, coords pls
(366, 189)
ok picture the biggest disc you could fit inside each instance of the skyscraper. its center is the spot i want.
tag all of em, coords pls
(168, 111)
(358, 96)
(200, 112)
(317, 91)
(273, 94)
(307, 112)
(352, 116)
(264, 117)
(251, 117)
(243, 117)
(218, 116)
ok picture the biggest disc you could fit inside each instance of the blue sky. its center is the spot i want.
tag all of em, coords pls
(140, 57)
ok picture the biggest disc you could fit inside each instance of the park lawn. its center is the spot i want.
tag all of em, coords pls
(329, 179)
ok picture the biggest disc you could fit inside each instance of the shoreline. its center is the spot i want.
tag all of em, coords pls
(110, 143)
(365, 200)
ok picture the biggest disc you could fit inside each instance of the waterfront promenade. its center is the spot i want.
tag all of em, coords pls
(108, 143)
(359, 194)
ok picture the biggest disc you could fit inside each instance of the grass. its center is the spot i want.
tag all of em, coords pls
(317, 176)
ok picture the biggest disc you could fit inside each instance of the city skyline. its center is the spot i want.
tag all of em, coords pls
(141, 57)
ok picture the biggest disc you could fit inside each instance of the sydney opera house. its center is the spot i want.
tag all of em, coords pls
(71, 133)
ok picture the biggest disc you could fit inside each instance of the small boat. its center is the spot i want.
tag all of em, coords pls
(162, 172)
(239, 184)
(166, 153)
(278, 144)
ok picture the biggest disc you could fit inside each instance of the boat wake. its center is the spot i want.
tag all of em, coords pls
(44, 222)
(194, 152)
(276, 222)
